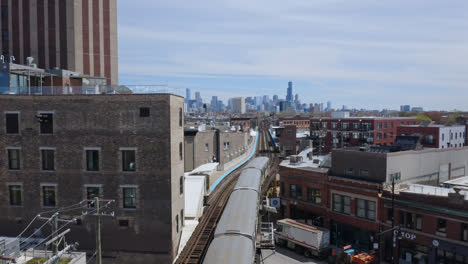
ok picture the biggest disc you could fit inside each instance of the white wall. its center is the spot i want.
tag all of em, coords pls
(451, 137)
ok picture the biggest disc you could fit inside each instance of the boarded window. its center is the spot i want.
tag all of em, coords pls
(46, 123)
(12, 123)
(144, 112)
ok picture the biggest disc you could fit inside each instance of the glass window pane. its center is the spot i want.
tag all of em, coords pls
(48, 193)
(15, 195)
(129, 197)
(128, 160)
(13, 159)
(92, 160)
(48, 159)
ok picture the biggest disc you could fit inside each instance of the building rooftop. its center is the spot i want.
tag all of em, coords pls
(459, 182)
(303, 161)
(431, 190)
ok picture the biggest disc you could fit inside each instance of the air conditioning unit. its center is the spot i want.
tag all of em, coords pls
(294, 159)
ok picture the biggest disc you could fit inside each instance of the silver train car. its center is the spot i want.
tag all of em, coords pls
(235, 234)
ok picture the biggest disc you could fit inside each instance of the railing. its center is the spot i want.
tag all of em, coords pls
(91, 90)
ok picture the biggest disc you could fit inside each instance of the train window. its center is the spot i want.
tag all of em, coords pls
(279, 228)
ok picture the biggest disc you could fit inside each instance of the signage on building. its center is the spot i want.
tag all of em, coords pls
(275, 202)
(435, 243)
(405, 235)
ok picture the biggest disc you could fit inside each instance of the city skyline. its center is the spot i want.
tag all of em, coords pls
(363, 54)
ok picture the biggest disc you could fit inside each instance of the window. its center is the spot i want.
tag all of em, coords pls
(356, 125)
(441, 225)
(181, 184)
(182, 217)
(129, 197)
(128, 160)
(48, 196)
(226, 145)
(207, 147)
(391, 125)
(314, 195)
(5, 36)
(355, 135)
(385, 125)
(342, 204)
(15, 195)
(324, 125)
(144, 112)
(282, 189)
(295, 191)
(92, 160)
(410, 220)
(443, 135)
(365, 209)
(180, 117)
(349, 171)
(181, 154)
(48, 159)
(378, 136)
(12, 123)
(46, 121)
(13, 159)
(363, 173)
(124, 223)
(91, 193)
(177, 223)
(5, 12)
(379, 125)
(384, 135)
(464, 233)
(345, 126)
(334, 125)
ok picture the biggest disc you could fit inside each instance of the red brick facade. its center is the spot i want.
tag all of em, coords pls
(299, 122)
(346, 132)
(288, 140)
(426, 131)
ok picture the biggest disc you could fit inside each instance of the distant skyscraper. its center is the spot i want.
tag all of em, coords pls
(214, 103)
(238, 105)
(275, 99)
(187, 95)
(405, 108)
(329, 106)
(198, 99)
(289, 95)
(296, 99)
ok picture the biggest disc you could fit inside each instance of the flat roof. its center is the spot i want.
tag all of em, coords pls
(462, 181)
(303, 226)
(431, 190)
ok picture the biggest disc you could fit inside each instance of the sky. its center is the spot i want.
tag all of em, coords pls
(362, 54)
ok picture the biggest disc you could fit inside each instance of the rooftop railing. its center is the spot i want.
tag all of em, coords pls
(91, 90)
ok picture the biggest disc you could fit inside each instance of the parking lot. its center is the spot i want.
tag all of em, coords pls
(284, 255)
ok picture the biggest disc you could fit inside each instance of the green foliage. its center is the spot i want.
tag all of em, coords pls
(423, 117)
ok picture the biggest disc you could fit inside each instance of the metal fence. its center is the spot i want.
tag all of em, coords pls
(91, 90)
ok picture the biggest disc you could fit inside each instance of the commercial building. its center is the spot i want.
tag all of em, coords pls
(437, 136)
(329, 133)
(302, 123)
(406, 108)
(74, 35)
(238, 105)
(432, 221)
(60, 150)
(346, 196)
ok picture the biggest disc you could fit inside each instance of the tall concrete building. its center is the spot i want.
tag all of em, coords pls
(76, 35)
(289, 94)
(56, 152)
(238, 105)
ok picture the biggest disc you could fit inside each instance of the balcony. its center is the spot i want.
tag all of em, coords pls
(90, 90)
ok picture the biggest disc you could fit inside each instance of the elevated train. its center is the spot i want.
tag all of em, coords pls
(235, 234)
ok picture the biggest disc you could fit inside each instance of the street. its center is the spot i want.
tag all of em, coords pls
(284, 255)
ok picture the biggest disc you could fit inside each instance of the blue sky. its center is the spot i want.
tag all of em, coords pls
(363, 54)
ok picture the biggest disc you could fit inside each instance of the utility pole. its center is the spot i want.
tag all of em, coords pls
(393, 218)
(54, 230)
(98, 232)
(98, 213)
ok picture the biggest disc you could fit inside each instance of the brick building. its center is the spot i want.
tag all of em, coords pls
(244, 123)
(433, 225)
(60, 150)
(345, 198)
(76, 35)
(437, 136)
(329, 133)
(301, 123)
(287, 140)
(221, 146)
